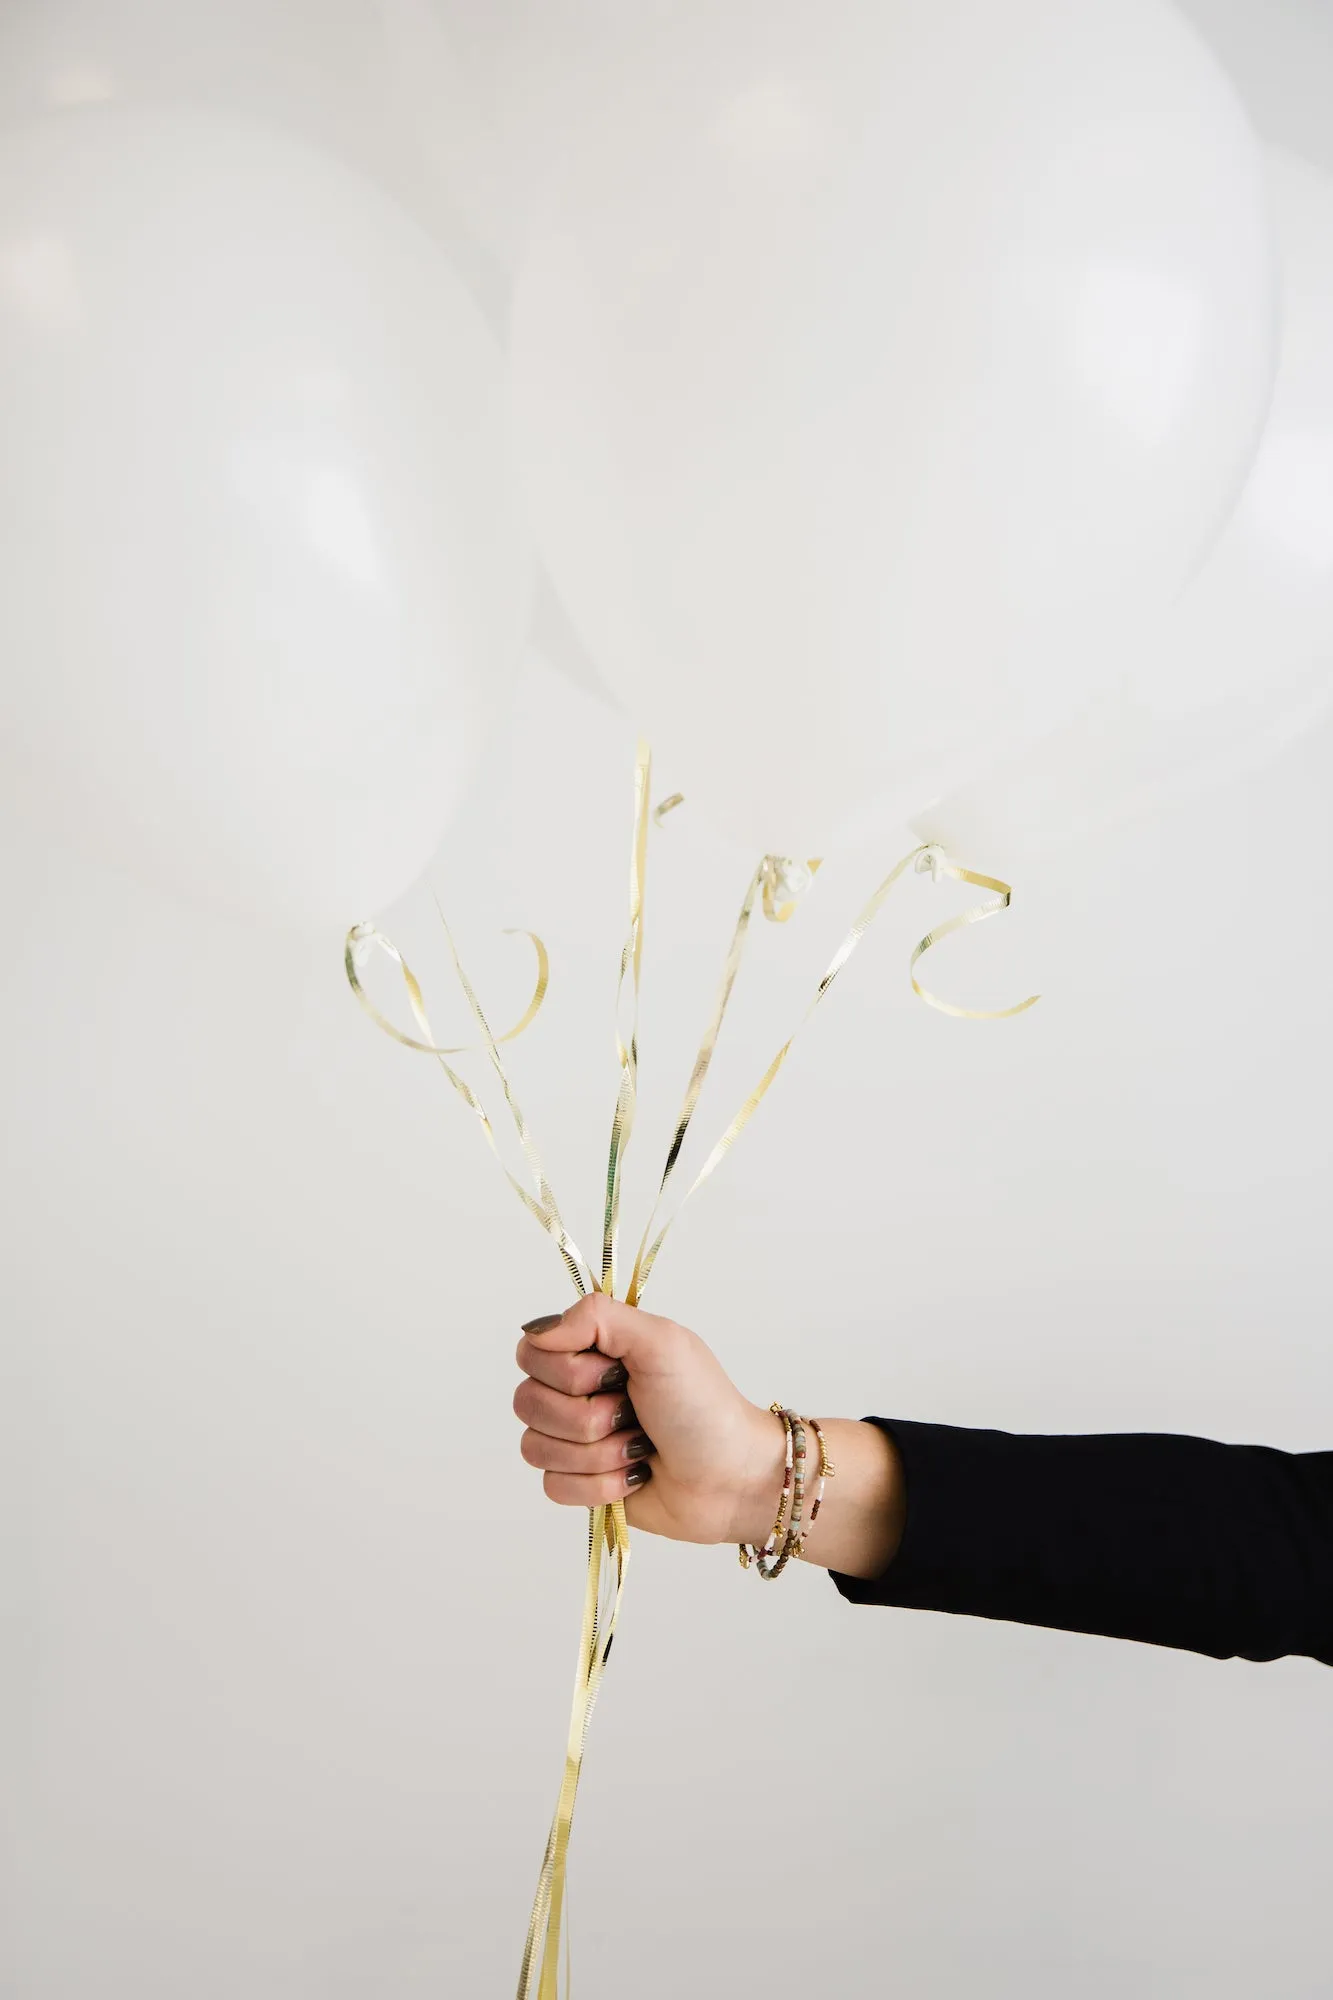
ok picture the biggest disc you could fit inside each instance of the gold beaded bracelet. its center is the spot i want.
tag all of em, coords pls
(773, 1567)
(778, 1550)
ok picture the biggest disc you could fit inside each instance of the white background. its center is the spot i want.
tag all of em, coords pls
(288, 1629)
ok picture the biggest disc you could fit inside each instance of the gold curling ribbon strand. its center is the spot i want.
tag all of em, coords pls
(544, 1210)
(1001, 899)
(575, 1263)
(609, 1534)
(627, 1053)
(367, 934)
(650, 1245)
(777, 913)
(699, 1073)
(763, 882)
(648, 1250)
(608, 1531)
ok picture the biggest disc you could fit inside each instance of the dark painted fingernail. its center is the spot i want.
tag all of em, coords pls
(639, 1447)
(638, 1475)
(615, 1378)
(544, 1324)
(624, 1417)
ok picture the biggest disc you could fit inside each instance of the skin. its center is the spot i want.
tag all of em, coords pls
(619, 1404)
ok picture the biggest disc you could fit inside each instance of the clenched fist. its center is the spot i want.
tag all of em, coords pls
(621, 1405)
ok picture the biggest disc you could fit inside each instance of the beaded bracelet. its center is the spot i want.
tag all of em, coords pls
(778, 1550)
(825, 1473)
(769, 1568)
(772, 1559)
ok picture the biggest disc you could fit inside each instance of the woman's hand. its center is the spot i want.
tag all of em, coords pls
(621, 1405)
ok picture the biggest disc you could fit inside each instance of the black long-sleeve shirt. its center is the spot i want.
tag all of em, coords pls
(1221, 1549)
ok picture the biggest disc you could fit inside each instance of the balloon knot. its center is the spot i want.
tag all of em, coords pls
(790, 879)
(932, 861)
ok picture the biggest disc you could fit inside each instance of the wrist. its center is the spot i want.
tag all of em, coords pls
(864, 1515)
(760, 1467)
(862, 1520)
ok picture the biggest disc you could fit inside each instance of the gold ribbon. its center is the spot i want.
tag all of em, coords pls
(608, 1534)
(650, 1245)
(627, 1053)
(544, 1209)
(931, 859)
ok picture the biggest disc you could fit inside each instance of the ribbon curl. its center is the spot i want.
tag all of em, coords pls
(544, 1209)
(776, 888)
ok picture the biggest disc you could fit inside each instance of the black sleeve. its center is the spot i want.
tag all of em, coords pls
(1216, 1548)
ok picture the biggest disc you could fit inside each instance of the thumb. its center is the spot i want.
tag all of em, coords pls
(622, 1332)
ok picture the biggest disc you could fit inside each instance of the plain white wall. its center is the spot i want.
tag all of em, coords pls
(288, 1629)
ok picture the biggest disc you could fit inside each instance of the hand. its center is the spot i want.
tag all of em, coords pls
(622, 1405)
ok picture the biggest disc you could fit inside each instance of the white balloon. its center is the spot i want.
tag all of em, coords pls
(325, 71)
(867, 351)
(67, 53)
(450, 93)
(554, 640)
(262, 589)
(493, 93)
(1245, 661)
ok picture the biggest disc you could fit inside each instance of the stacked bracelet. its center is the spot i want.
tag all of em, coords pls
(771, 1566)
(776, 1541)
(778, 1550)
(825, 1471)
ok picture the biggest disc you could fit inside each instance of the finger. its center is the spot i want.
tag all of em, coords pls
(573, 1374)
(569, 1489)
(610, 1454)
(622, 1332)
(580, 1419)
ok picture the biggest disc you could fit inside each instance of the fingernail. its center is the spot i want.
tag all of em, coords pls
(624, 1417)
(615, 1378)
(544, 1324)
(639, 1447)
(638, 1475)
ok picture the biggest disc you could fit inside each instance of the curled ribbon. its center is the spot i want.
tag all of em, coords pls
(776, 888)
(933, 861)
(544, 1208)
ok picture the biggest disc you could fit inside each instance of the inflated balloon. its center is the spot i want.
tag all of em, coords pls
(324, 71)
(1245, 661)
(864, 355)
(450, 93)
(493, 92)
(65, 53)
(262, 589)
(553, 640)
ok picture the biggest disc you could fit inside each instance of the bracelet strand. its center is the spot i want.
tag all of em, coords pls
(772, 1567)
(780, 1548)
(750, 1555)
(825, 1473)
